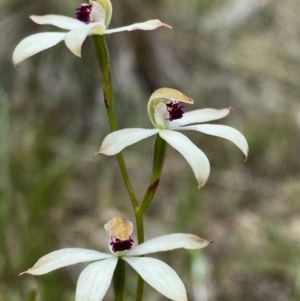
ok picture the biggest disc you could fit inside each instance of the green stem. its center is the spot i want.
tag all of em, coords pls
(160, 147)
(119, 280)
(140, 234)
(140, 226)
(140, 289)
(101, 53)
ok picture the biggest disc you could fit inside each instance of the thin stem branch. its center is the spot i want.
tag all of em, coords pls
(140, 235)
(160, 147)
(101, 53)
(140, 289)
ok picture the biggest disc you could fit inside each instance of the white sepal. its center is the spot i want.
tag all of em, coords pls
(116, 141)
(169, 242)
(35, 44)
(160, 276)
(222, 131)
(58, 21)
(64, 257)
(192, 154)
(95, 280)
(201, 115)
(148, 25)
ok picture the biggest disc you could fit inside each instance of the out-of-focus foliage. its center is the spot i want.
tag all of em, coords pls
(55, 193)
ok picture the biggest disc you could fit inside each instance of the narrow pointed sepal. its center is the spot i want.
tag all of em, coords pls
(201, 115)
(62, 258)
(148, 25)
(35, 44)
(58, 21)
(95, 280)
(192, 154)
(116, 141)
(169, 242)
(160, 276)
(222, 131)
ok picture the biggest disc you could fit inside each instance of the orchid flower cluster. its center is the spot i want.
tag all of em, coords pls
(166, 110)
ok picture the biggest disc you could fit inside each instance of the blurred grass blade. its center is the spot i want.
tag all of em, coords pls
(5, 179)
(199, 276)
(32, 296)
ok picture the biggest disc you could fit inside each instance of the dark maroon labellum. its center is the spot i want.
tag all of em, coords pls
(121, 245)
(175, 111)
(83, 13)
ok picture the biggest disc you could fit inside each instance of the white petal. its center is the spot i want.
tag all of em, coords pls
(97, 13)
(160, 276)
(148, 25)
(107, 7)
(192, 154)
(201, 115)
(95, 280)
(169, 242)
(35, 44)
(222, 131)
(64, 257)
(75, 38)
(58, 21)
(161, 115)
(116, 141)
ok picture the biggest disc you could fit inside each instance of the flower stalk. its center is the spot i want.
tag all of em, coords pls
(160, 147)
(158, 161)
(119, 280)
(140, 289)
(101, 52)
(102, 56)
(140, 235)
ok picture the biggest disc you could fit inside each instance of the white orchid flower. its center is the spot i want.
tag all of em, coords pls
(92, 19)
(167, 118)
(95, 279)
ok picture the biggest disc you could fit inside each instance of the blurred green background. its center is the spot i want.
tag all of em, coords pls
(56, 193)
